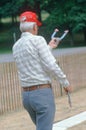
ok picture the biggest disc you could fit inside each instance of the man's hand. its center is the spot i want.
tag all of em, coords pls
(68, 89)
(54, 42)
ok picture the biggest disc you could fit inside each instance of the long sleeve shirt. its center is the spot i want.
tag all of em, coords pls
(35, 61)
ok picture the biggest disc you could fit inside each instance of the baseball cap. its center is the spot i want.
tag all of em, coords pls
(29, 16)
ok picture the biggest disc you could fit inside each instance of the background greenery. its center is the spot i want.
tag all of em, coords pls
(61, 14)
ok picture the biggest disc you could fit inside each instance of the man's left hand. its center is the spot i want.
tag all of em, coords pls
(54, 42)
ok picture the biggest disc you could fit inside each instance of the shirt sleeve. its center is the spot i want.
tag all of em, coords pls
(50, 48)
(49, 62)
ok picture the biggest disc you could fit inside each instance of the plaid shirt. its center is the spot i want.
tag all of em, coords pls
(35, 61)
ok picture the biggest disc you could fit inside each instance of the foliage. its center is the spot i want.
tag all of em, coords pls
(72, 14)
(64, 14)
(78, 18)
(69, 15)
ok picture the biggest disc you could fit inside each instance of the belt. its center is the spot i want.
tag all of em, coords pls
(36, 87)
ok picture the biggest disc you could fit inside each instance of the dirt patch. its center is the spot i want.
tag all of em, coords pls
(20, 120)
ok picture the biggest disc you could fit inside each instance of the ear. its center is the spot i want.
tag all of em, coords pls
(35, 27)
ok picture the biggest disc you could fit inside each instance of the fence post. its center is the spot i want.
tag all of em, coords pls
(14, 37)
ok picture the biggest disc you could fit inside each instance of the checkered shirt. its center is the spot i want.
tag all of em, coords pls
(35, 61)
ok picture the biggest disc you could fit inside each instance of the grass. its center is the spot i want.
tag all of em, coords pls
(7, 39)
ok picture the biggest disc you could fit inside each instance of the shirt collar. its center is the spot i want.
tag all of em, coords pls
(26, 34)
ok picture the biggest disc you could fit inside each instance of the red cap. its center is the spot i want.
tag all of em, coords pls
(29, 16)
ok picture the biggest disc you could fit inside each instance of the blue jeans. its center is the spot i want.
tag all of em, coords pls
(41, 107)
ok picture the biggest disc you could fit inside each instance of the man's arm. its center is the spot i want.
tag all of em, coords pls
(49, 64)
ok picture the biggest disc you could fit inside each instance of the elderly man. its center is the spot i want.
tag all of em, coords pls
(36, 65)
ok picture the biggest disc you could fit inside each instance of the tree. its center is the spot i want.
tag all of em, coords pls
(78, 18)
(2, 3)
(60, 16)
(72, 14)
(12, 8)
(69, 14)
(9, 8)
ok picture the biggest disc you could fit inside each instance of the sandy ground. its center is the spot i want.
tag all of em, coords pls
(20, 120)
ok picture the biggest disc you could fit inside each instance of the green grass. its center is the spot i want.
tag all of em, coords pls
(7, 40)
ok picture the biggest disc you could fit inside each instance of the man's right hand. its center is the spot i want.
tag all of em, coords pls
(68, 89)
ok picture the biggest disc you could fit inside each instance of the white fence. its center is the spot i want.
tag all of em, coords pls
(72, 63)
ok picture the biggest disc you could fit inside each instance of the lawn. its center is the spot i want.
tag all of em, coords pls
(9, 33)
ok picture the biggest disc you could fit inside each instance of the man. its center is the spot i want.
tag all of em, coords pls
(36, 65)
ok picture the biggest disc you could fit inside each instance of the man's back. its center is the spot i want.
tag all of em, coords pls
(27, 57)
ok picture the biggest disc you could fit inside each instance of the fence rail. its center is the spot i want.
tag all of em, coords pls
(74, 65)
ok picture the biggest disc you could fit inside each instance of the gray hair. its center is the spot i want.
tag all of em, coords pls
(24, 26)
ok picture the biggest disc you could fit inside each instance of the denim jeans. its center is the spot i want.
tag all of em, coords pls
(41, 107)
